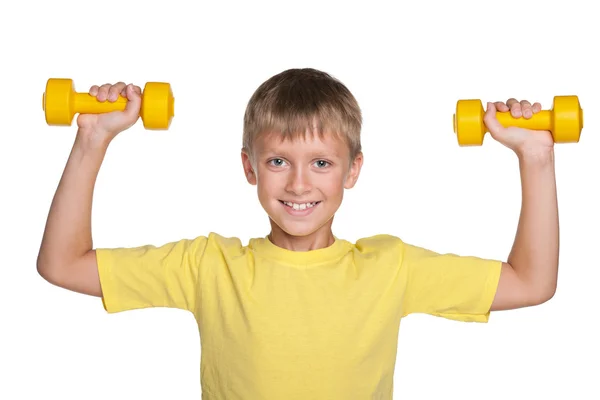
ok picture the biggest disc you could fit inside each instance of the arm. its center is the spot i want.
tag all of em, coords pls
(66, 257)
(529, 277)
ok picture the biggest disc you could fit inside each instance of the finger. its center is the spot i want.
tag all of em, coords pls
(94, 90)
(136, 89)
(500, 106)
(113, 92)
(510, 102)
(526, 109)
(536, 107)
(103, 92)
(134, 101)
(515, 107)
(491, 121)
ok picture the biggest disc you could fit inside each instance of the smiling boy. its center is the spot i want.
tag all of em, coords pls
(300, 313)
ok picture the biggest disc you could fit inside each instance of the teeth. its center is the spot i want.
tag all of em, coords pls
(299, 206)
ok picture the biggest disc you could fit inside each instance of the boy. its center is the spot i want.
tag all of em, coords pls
(300, 313)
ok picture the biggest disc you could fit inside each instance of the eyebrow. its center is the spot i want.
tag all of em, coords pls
(318, 154)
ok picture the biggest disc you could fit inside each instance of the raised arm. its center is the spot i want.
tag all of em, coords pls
(66, 257)
(529, 277)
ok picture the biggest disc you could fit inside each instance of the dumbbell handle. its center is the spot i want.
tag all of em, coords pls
(85, 103)
(539, 121)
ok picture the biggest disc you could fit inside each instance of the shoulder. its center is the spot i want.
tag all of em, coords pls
(223, 244)
(230, 247)
(379, 242)
(379, 245)
(385, 244)
(221, 240)
(199, 246)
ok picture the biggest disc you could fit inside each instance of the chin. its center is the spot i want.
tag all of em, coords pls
(299, 228)
(296, 230)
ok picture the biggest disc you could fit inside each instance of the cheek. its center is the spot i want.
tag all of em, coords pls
(268, 183)
(331, 184)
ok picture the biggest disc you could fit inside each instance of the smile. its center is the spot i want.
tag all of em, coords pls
(299, 206)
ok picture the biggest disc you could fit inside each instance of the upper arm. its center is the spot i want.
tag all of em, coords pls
(448, 285)
(128, 278)
(513, 292)
(79, 276)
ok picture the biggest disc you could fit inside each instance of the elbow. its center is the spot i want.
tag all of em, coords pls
(539, 287)
(47, 270)
(544, 295)
(42, 266)
(549, 290)
(550, 294)
(44, 271)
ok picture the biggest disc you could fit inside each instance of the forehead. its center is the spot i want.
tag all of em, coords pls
(328, 144)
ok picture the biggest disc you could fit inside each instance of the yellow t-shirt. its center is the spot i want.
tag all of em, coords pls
(277, 324)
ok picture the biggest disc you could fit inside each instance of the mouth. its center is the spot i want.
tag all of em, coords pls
(299, 206)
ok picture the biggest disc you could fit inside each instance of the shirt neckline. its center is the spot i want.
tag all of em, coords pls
(267, 249)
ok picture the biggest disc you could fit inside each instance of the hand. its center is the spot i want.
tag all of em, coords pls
(521, 141)
(104, 127)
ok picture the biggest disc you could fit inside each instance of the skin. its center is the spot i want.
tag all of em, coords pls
(304, 170)
(529, 277)
(308, 169)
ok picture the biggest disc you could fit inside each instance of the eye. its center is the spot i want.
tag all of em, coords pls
(322, 163)
(276, 162)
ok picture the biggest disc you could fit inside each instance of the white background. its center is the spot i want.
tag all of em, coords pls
(407, 63)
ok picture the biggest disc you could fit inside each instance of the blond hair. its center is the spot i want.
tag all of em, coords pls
(299, 101)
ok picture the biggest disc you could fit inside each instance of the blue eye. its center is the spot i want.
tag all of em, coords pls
(322, 163)
(277, 162)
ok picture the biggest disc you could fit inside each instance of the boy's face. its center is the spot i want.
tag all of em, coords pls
(301, 182)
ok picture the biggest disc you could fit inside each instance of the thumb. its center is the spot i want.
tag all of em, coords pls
(490, 120)
(134, 102)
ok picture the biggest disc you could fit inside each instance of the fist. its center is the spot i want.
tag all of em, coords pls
(517, 108)
(106, 126)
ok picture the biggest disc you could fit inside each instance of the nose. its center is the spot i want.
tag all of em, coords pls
(298, 182)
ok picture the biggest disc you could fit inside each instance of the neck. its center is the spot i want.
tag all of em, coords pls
(319, 239)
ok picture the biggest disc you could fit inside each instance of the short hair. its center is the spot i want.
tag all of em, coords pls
(299, 101)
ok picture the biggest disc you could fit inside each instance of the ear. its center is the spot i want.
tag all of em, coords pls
(248, 169)
(354, 171)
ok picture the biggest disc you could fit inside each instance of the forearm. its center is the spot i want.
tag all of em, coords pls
(68, 234)
(534, 255)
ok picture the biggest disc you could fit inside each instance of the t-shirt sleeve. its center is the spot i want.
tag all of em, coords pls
(447, 285)
(151, 276)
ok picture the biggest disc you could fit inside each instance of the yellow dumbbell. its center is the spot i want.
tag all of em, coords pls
(60, 103)
(564, 121)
